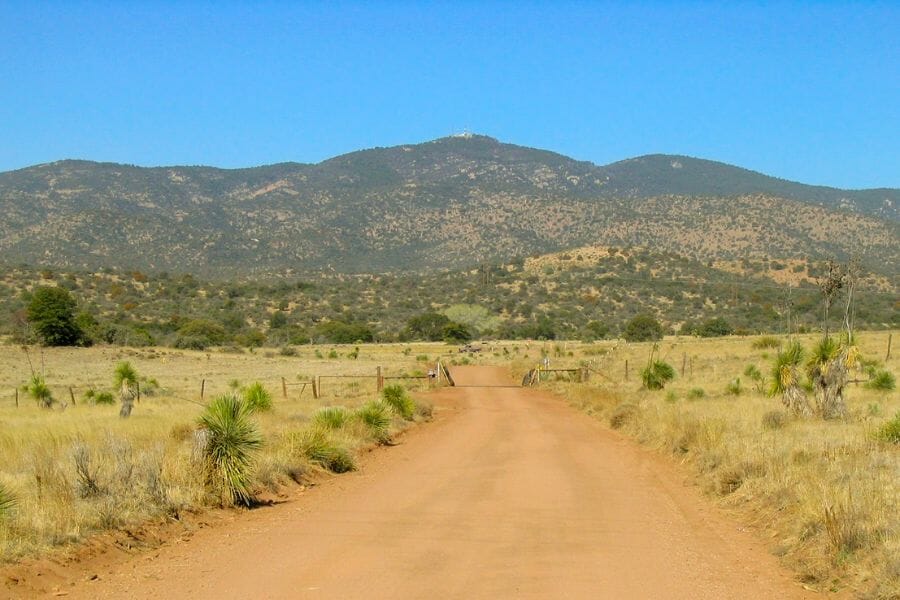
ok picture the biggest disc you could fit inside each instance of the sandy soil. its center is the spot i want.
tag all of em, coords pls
(510, 493)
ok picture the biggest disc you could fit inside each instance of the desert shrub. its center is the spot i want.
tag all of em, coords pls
(671, 396)
(766, 341)
(422, 357)
(104, 398)
(257, 397)
(52, 312)
(784, 368)
(696, 393)
(881, 380)
(332, 354)
(124, 374)
(353, 354)
(734, 387)
(657, 374)
(890, 431)
(230, 443)
(753, 373)
(332, 417)
(424, 410)
(621, 414)
(642, 328)
(7, 502)
(774, 419)
(376, 416)
(319, 446)
(715, 328)
(287, 351)
(396, 397)
(39, 391)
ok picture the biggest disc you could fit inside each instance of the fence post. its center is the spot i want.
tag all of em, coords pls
(890, 339)
(202, 389)
(138, 391)
(683, 363)
(284, 388)
(379, 379)
(17, 397)
(72, 396)
(626, 369)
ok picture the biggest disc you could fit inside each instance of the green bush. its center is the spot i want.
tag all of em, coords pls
(396, 397)
(52, 312)
(319, 446)
(642, 328)
(696, 393)
(774, 419)
(715, 328)
(890, 431)
(39, 391)
(734, 387)
(657, 374)
(376, 416)
(257, 397)
(231, 440)
(104, 398)
(882, 380)
(332, 417)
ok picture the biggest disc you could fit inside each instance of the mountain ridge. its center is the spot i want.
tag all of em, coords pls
(446, 203)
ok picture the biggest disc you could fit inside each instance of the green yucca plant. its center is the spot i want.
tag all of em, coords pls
(318, 444)
(125, 374)
(38, 390)
(257, 397)
(890, 431)
(657, 374)
(784, 369)
(396, 397)
(7, 502)
(332, 417)
(376, 416)
(231, 440)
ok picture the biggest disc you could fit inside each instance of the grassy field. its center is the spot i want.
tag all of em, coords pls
(826, 494)
(79, 468)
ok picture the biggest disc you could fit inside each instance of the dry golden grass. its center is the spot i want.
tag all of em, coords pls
(826, 494)
(78, 469)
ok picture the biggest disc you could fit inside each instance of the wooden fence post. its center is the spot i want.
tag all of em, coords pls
(284, 388)
(138, 390)
(72, 395)
(626, 369)
(379, 379)
(202, 389)
(683, 363)
(17, 397)
(890, 339)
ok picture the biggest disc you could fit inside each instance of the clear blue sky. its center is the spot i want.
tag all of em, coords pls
(804, 91)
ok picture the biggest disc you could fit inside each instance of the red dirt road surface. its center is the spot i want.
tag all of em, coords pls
(510, 493)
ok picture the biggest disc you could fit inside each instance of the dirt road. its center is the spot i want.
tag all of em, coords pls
(509, 494)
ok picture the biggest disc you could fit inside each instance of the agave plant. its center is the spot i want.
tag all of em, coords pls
(332, 417)
(231, 440)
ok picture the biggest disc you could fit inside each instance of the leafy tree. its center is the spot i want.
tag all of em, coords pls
(339, 332)
(427, 326)
(597, 330)
(715, 328)
(456, 332)
(643, 328)
(52, 313)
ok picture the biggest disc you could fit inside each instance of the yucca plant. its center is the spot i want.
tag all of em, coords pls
(319, 446)
(786, 380)
(7, 502)
(257, 397)
(376, 416)
(828, 370)
(657, 374)
(231, 440)
(38, 390)
(332, 417)
(396, 397)
(125, 379)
